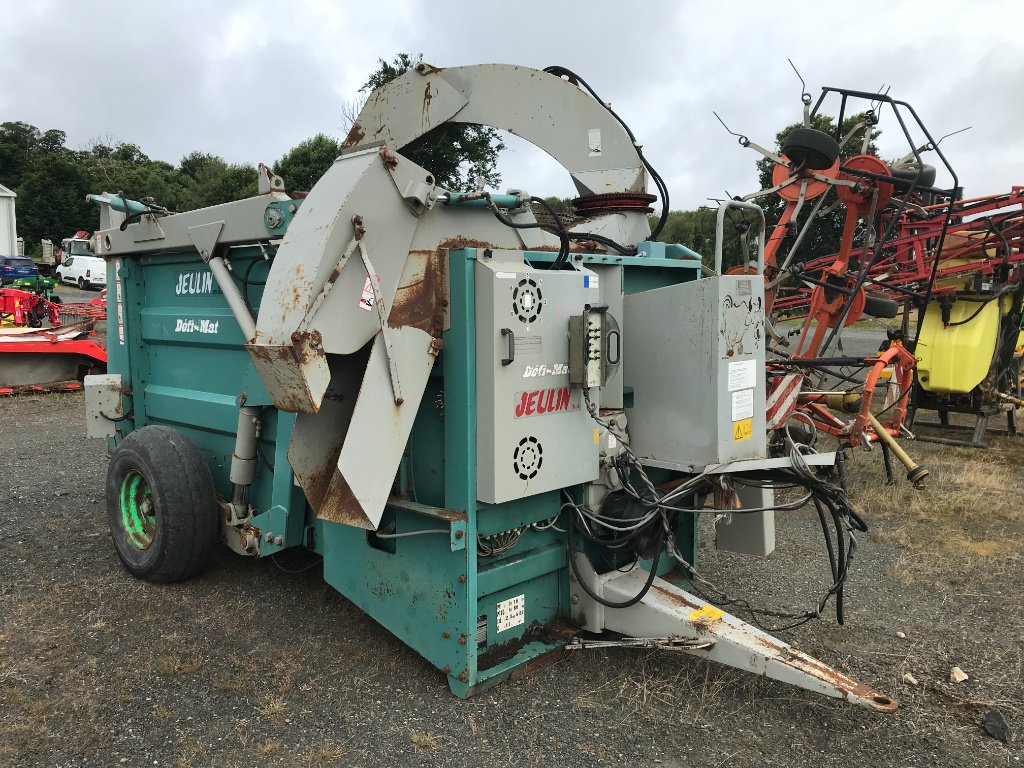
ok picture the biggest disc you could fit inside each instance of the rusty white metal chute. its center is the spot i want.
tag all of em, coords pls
(352, 267)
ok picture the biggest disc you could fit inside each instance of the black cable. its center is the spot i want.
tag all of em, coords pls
(314, 564)
(583, 585)
(263, 457)
(984, 302)
(823, 493)
(129, 415)
(245, 281)
(131, 217)
(655, 176)
(895, 402)
(841, 558)
(828, 541)
(834, 499)
(563, 233)
(973, 315)
(623, 249)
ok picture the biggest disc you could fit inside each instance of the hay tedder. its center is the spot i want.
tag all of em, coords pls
(41, 349)
(906, 245)
(967, 286)
(498, 434)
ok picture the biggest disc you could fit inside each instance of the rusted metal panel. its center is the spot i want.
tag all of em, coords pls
(295, 374)
(422, 297)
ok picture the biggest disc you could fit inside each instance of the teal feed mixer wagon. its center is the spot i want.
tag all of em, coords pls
(477, 415)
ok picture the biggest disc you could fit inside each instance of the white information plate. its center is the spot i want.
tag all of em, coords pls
(742, 375)
(511, 613)
(742, 404)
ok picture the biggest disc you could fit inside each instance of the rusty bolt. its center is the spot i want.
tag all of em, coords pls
(399, 400)
(296, 336)
(462, 640)
(444, 302)
(446, 669)
(463, 676)
(444, 634)
(459, 534)
(462, 579)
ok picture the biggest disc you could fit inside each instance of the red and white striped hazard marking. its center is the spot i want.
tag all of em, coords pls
(782, 397)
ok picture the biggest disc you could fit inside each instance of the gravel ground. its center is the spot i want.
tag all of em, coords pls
(250, 665)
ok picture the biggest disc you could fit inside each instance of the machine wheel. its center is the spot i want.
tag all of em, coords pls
(811, 148)
(59, 278)
(81, 283)
(908, 171)
(879, 306)
(161, 505)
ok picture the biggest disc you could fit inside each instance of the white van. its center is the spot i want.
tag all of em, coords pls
(83, 271)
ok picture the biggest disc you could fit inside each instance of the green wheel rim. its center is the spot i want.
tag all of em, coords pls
(138, 514)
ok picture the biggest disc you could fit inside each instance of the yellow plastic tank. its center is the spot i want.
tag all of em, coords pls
(954, 359)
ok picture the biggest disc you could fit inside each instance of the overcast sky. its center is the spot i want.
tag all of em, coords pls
(249, 80)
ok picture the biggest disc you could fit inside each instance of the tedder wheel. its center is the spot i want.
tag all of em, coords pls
(161, 505)
(879, 306)
(811, 148)
(908, 171)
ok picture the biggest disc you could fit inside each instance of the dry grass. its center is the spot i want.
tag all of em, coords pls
(272, 707)
(191, 750)
(654, 688)
(231, 685)
(172, 664)
(967, 520)
(267, 748)
(424, 741)
(25, 724)
(322, 754)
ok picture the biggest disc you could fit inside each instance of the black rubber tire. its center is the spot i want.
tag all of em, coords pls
(184, 500)
(810, 148)
(879, 306)
(81, 283)
(59, 278)
(909, 173)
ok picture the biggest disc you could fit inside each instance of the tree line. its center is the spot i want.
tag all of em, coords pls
(52, 179)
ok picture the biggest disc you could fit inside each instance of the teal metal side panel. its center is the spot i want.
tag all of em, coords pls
(184, 365)
(459, 367)
(418, 592)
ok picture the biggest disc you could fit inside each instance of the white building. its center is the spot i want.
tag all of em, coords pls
(8, 223)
